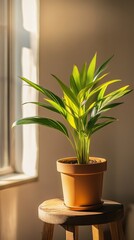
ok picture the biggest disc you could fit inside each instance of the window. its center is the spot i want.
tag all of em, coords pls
(18, 57)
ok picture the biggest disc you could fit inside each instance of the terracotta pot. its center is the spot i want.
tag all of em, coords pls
(82, 183)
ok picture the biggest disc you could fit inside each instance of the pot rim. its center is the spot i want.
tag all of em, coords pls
(99, 166)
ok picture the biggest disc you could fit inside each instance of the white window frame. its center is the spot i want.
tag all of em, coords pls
(4, 144)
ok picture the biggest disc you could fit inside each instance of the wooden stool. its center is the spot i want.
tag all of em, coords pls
(54, 211)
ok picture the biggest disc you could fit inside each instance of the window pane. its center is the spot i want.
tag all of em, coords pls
(3, 84)
(25, 63)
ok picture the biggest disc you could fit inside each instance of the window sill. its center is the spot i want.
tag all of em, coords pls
(15, 179)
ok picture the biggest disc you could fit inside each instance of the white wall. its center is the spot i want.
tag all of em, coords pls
(71, 32)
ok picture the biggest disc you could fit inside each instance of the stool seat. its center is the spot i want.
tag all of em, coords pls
(53, 212)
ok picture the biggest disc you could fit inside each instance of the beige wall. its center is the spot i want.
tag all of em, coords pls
(71, 32)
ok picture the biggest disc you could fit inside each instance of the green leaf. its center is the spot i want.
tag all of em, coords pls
(83, 76)
(87, 111)
(102, 67)
(106, 117)
(59, 108)
(68, 92)
(109, 107)
(71, 120)
(101, 93)
(82, 93)
(43, 121)
(91, 124)
(40, 104)
(71, 109)
(73, 85)
(76, 76)
(43, 90)
(100, 125)
(116, 94)
(100, 78)
(91, 69)
(96, 90)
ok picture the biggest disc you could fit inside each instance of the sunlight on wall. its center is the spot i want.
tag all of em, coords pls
(29, 70)
(29, 131)
(76, 21)
(29, 11)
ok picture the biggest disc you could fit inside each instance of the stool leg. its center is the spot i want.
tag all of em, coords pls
(121, 232)
(116, 231)
(97, 232)
(71, 232)
(48, 230)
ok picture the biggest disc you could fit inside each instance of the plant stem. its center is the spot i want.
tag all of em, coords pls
(82, 143)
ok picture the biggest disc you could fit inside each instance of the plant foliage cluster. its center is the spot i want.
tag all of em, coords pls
(83, 105)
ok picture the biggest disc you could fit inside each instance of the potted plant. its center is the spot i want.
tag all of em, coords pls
(82, 106)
